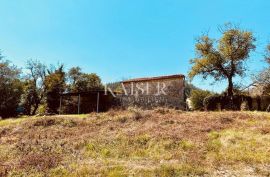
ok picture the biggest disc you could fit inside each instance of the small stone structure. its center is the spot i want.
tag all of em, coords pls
(163, 91)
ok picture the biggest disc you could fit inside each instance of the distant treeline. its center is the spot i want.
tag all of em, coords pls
(37, 90)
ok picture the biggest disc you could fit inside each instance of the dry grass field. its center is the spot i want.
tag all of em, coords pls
(160, 142)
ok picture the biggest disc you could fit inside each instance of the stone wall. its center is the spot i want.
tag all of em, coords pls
(149, 102)
(154, 93)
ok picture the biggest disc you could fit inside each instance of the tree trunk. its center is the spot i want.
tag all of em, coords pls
(35, 109)
(230, 94)
(230, 87)
(36, 105)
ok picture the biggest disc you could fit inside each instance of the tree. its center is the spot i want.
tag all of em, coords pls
(267, 54)
(10, 88)
(262, 80)
(35, 89)
(55, 85)
(30, 97)
(74, 74)
(83, 82)
(115, 86)
(223, 58)
(88, 82)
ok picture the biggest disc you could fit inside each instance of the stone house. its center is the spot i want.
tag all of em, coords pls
(162, 91)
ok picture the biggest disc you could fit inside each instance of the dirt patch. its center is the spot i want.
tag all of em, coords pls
(226, 120)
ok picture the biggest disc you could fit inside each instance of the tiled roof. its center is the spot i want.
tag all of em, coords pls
(154, 78)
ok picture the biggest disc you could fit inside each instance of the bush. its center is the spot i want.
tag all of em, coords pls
(197, 98)
(237, 102)
(211, 102)
(42, 109)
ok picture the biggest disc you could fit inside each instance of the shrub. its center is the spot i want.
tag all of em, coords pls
(186, 145)
(42, 109)
(211, 102)
(197, 98)
(237, 102)
(136, 113)
(122, 119)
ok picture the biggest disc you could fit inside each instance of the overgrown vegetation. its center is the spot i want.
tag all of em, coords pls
(38, 90)
(222, 102)
(161, 142)
(197, 98)
(11, 88)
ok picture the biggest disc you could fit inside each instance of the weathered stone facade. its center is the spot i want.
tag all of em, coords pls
(164, 91)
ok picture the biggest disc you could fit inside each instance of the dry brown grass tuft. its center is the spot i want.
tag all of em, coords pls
(4, 169)
(41, 162)
(45, 122)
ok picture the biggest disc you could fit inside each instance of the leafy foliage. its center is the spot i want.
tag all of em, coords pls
(74, 74)
(34, 89)
(115, 86)
(10, 88)
(189, 88)
(88, 82)
(30, 97)
(55, 85)
(197, 98)
(222, 102)
(83, 82)
(223, 58)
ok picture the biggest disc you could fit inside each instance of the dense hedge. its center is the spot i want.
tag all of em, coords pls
(223, 102)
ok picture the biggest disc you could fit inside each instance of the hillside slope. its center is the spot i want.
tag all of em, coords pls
(137, 143)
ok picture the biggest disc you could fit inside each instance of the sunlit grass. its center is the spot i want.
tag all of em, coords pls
(11, 121)
(232, 146)
(161, 142)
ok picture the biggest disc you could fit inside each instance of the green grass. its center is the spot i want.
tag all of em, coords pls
(246, 146)
(12, 121)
